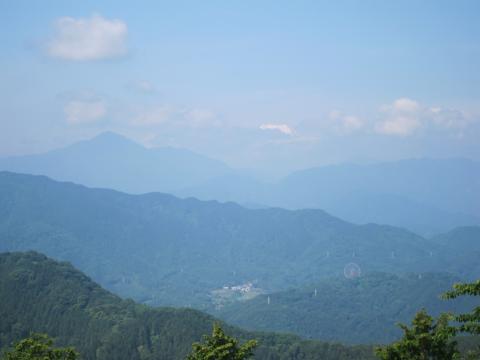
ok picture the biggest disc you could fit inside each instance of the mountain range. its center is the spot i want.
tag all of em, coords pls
(253, 265)
(163, 250)
(427, 196)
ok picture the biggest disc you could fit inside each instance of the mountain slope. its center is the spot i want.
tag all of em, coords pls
(163, 250)
(427, 196)
(41, 295)
(463, 243)
(449, 186)
(424, 195)
(361, 310)
(112, 161)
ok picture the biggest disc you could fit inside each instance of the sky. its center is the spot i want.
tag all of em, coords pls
(270, 86)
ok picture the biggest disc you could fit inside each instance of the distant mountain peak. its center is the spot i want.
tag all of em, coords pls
(110, 160)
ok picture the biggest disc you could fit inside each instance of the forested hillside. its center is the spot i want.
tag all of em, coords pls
(163, 250)
(359, 310)
(41, 295)
(463, 244)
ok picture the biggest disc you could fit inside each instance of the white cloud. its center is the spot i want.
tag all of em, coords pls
(398, 125)
(449, 118)
(283, 128)
(345, 123)
(401, 118)
(80, 112)
(86, 39)
(352, 123)
(405, 105)
(406, 116)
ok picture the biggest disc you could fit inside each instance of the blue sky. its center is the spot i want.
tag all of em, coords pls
(272, 85)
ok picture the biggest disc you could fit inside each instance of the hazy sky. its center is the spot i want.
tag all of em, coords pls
(271, 85)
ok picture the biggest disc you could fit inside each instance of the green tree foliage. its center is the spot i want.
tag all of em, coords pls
(469, 322)
(41, 295)
(220, 346)
(426, 339)
(39, 347)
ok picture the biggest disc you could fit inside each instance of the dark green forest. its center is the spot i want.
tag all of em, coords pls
(38, 294)
(360, 310)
